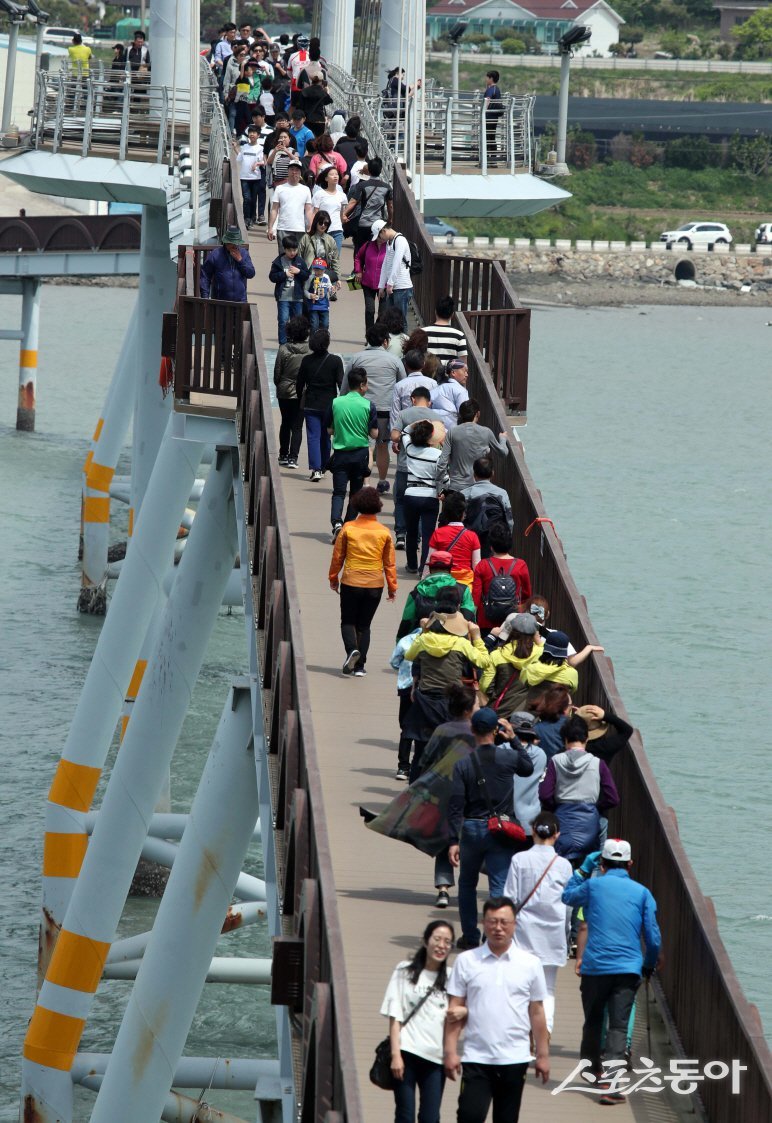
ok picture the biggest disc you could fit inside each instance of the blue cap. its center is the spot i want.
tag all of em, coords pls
(485, 720)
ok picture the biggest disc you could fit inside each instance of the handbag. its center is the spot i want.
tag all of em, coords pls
(380, 1071)
(502, 826)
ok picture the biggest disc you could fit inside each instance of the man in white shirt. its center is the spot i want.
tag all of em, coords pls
(396, 283)
(503, 990)
(251, 164)
(291, 208)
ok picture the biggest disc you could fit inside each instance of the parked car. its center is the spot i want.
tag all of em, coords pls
(436, 228)
(764, 234)
(698, 234)
(62, 36)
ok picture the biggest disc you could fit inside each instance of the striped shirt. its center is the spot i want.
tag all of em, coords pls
(446, 342)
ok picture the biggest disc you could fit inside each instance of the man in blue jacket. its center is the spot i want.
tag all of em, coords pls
(618, 912)
(226, 270)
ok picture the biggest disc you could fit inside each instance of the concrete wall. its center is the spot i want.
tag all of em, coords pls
(588, 261)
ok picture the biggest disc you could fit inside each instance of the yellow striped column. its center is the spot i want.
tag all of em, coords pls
(28, 355)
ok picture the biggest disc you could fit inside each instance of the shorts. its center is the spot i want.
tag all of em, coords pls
(384, 428)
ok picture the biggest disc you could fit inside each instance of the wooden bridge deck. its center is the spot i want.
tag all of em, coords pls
(385, 889)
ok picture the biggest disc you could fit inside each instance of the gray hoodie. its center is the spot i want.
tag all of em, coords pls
(383, 374)
(577, 777)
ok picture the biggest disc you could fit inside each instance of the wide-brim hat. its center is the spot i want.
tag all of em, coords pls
(233, 237)
(596, 728)
(451, 622)
(557, 645)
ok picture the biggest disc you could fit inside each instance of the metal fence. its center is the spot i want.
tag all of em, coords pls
(495, 317)
(68, 234)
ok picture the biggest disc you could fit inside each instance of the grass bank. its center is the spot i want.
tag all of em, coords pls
(618, 201)
(664, 85)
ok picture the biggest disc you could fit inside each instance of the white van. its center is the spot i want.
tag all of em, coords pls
(764, 234)
(62, 36)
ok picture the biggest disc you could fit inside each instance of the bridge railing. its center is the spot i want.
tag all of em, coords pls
(496, 319)
(710, 1017)
(308, 969)
(68, 234)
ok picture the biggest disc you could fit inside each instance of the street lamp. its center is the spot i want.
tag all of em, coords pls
(41, 19)
(572, 38)
(454, 35)
(17, 14)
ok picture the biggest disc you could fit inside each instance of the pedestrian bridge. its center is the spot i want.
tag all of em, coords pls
(303, 748)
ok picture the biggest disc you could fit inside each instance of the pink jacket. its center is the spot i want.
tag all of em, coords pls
(368, 260)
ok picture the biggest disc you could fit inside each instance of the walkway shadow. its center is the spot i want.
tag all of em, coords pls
(377, 744)
(319, 670)
(391, 894)
(322, 536)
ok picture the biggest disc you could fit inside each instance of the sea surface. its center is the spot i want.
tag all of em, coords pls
(648, 437)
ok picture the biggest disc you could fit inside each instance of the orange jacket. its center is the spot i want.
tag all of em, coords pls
(365, 551)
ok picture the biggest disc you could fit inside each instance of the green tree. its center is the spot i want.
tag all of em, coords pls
(513, 46)
(751, 155)
(295, 13)
(754, 36)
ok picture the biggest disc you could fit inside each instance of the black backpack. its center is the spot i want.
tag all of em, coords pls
(503, 594)
(482, 511)
(416, 261)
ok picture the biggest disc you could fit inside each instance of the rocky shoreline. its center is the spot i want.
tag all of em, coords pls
(595, 292)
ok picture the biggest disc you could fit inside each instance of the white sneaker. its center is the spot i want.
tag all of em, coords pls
(336, 531)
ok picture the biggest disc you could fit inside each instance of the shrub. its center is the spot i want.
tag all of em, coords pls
(513, 46)
(583, 149)
(694, 153)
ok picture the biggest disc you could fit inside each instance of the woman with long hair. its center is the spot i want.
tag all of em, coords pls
(318, 242)
(421, 505)
(417, 1043)
(319, 379)
(329, 196)
(536, 880)
(363, 561)
(552, 708)
(394, 321)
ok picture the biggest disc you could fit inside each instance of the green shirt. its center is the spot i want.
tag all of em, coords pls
(353, 416)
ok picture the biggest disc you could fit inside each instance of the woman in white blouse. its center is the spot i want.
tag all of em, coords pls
(535, 882)
(417, 1047)
(329, 196)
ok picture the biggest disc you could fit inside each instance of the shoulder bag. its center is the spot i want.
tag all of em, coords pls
(521, 904)
(380, 1072)
(506, 829)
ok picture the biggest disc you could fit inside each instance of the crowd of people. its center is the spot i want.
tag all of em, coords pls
(500, 773)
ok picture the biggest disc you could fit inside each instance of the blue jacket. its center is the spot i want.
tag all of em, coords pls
(617, 910)
(224, 278)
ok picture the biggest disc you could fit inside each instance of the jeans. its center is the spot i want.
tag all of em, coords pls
(357, 608)
(400, 298)
(318, 318)
(291, 428)
(482, 1083)
(349, 469)
(317, 439)
(423, 510)
(249, 195)
(478, 845)
(429, 1078)
(371, 295)
(337, 237)
(443, 871)
(405, 743)
(400, 483)
(285, 309)
(616, 993)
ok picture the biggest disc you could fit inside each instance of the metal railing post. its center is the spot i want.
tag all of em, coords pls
(123, 141)
(511, 135)
(89, 116)
(449, 135)
(483, 140)
(59, 115)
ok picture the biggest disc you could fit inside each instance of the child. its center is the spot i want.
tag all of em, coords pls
(266, 100)
(404, 669)
(318, 288)
(289, 273)
(251, 163)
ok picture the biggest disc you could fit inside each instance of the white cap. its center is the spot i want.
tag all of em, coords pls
(376, 228)
(617, 850)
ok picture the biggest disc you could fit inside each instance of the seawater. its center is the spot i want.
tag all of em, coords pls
(647, 438)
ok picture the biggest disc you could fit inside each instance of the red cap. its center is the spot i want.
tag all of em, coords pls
(442, 558)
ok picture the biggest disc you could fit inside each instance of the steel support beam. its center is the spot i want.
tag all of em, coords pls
(10, 75)
(28, 350)
(98, 472)
(231, 1073)
(168, 987)
(247, 887)
(242, 970)
(237, 917)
